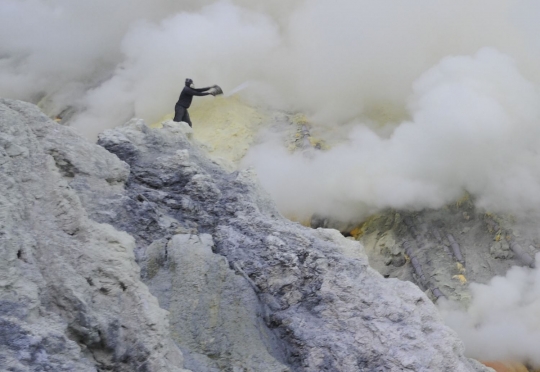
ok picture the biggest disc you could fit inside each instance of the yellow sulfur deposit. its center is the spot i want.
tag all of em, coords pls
(384, 113)
(318, 143)
(461, 278)
(304, 221)
(466, 198)
(357, 232)
(158, 124)
(360, 230)
(299, 119)
(226, 126)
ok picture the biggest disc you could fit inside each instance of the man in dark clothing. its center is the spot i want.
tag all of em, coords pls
(180, 110)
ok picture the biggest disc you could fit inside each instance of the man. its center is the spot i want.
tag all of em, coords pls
(180, 110)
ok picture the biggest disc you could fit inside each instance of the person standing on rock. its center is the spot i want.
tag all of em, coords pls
(181, 107)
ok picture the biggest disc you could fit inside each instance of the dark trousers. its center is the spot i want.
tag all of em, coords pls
(181, 114)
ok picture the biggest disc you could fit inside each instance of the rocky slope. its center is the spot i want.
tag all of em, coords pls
(444, 250)
(70, 294)
(239, 287)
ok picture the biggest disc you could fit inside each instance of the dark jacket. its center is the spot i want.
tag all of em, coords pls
(187, 95)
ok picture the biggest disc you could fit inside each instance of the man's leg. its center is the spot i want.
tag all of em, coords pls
(179, 113)
(186, 118)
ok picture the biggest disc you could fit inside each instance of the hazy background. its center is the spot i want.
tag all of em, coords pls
(458, 80)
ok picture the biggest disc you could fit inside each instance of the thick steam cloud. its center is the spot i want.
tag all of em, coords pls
(475, 126)
(502, 322)
(333, 60)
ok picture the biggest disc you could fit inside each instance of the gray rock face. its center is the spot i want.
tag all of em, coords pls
(245, 289)
(70, 294)
(215, 313)
(453, 246)
(328, 310)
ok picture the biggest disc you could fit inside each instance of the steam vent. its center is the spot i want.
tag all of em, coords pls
(269, 186)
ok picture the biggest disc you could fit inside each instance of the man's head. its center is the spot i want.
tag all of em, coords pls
(189, 82)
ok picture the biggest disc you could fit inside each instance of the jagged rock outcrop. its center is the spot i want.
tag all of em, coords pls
(443, 250)
(215, 313)
(328, 308)
(246, 289)
(70, 294)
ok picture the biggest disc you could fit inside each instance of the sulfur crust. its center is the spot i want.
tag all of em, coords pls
(226, 126)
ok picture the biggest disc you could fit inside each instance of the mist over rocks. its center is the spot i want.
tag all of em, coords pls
(473, 128)
(335, 60)
(245, 289)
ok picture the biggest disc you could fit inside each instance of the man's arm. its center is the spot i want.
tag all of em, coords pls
(202, 89)
(198, 91)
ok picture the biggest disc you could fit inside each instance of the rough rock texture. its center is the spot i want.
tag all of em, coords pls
(215, 313)
(246, 289)
(452, 246)
(70, 294)
(329, 310)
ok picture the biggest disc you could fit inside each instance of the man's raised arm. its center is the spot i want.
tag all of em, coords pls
(198, 91)
(202, 89)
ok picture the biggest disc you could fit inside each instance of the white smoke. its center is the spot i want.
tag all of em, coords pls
(54, 45)
(463, 75)
(475, 126)
(502, 322)
(331, 59)
(221, 43)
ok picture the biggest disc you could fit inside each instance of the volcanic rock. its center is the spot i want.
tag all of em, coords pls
(70, 294)
(240, 288)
